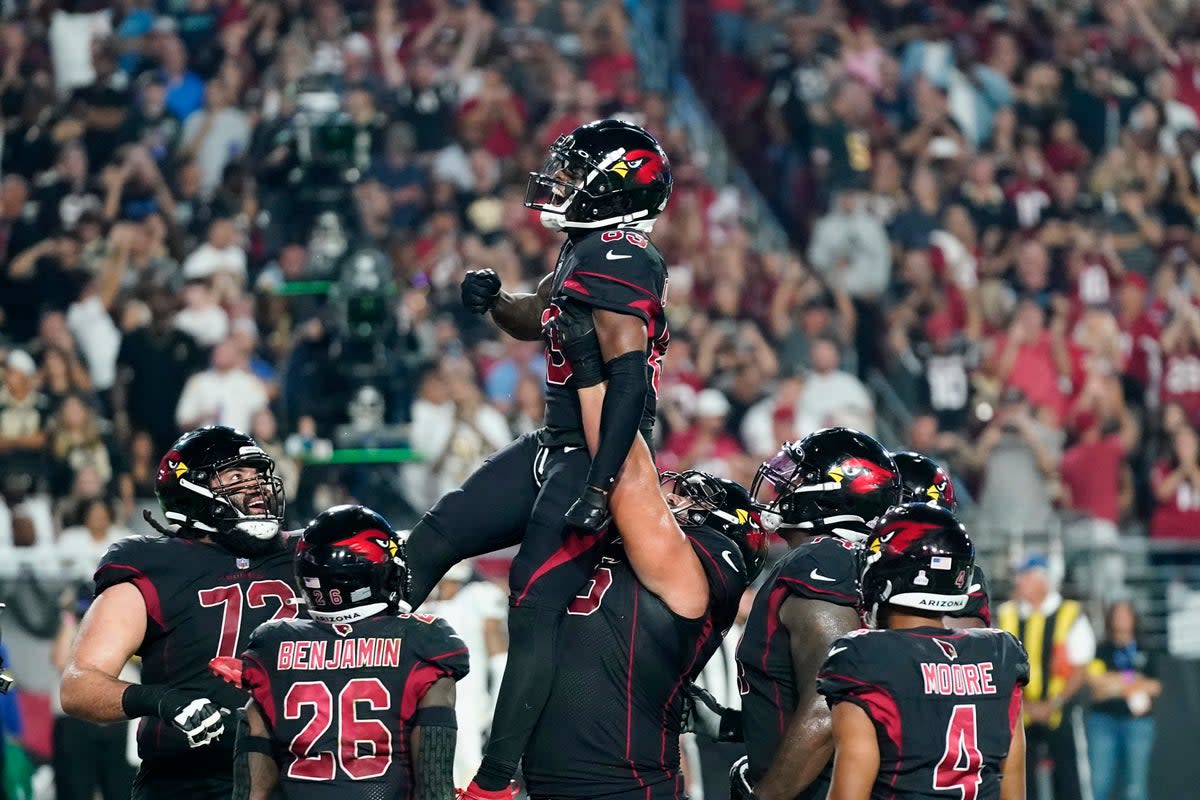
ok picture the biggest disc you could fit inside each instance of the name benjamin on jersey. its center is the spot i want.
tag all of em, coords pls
(958, 679)
(345, 654)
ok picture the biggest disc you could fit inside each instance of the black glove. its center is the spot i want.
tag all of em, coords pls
(589, 514)
(199, 719)
(480, 288)
(702, 714)
(739, 784)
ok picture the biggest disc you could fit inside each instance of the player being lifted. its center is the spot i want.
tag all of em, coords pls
(919, 710)
(179, 600)
(652, 614)
(359, 698)
(604, 184)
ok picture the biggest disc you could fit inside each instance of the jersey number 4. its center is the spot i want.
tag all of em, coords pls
(961, 763)
(354, 735)
(231, 597)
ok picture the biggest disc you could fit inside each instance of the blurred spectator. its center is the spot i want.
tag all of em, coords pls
(1124, 682)
(1033, 359)
(154, 363)
(23, 417)
(62, 375)
(185, 90)
(1018, 454)
(453, 428)
(225, 394)
(219, 253)
(777, 418)
(1175, 481)
(705, 443)
(832, 396)
(202, 316)
(77, 441)
(850, 248)
(214, 135)
(80, 546)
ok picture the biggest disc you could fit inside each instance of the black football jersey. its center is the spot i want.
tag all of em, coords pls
(201, 602)
(825, 568)
(944, 704)
(617, 270)
(979, 599)
(339, 699)
(611, 726)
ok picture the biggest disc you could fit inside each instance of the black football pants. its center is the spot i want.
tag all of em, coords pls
(520, 494)
(182, 778)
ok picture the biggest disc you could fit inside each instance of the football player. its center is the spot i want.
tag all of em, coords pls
(359, 698)
(924, 481)
(920, 710)
(604, 184)
(657, 606)
(652, 615)
(179, 600)
(822, 494)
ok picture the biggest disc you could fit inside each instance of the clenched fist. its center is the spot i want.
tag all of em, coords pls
(480, 288)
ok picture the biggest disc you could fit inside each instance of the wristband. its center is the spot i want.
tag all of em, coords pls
(141, 700)
(254, 744)
(435, 717)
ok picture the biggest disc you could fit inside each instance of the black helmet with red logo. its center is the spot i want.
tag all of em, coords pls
(216, 481)
(350, 565)
(835, 480)
(924, 480)
(600, 175)
(919, 556)
(722, 505)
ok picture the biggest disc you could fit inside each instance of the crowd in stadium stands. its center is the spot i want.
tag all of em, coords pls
(993, 209)
(1004, 197)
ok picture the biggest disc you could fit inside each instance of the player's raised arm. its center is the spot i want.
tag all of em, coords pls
(658, 550)
(519, 315)
(433, 738)
(856, 762)
(807, 744)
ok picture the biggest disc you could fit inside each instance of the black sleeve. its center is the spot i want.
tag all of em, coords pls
(842, 676)
(620, 416)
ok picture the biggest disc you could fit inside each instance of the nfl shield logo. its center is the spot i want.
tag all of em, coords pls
(243, 563)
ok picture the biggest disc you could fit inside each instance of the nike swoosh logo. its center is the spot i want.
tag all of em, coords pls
(816, 576)
(611, 256)
(569, 449)
(728, 556)
(833, 651)
(975, 587)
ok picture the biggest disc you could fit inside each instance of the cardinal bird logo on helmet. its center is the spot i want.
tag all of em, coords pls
(645, 165)
(941, 490)
(896, 537)
(860, 476)
(373, 545)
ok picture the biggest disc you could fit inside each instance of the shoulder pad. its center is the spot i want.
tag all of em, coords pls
(826, 568)
(436, 643)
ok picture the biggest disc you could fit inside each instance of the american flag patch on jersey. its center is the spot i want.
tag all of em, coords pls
(939, 562)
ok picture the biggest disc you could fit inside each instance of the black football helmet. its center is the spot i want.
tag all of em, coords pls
(835, 480)
(350, 565)
(602, 174)
(723, 505)
(924, 481)
(244, 515)
(919, 556)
